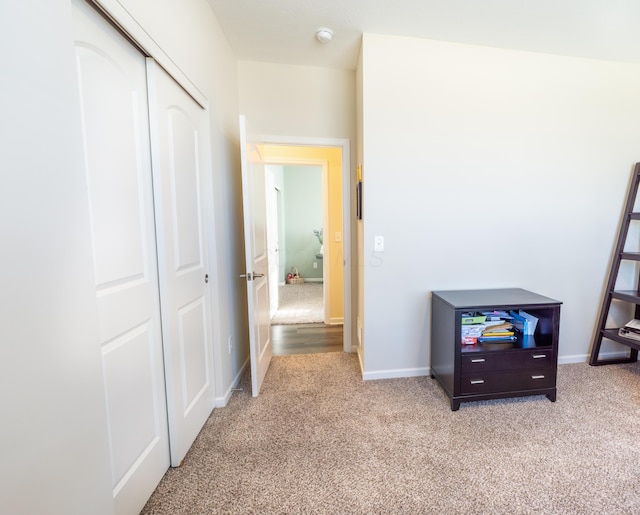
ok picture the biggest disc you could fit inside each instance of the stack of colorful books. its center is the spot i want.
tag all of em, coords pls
(501, 332)
(487, 327)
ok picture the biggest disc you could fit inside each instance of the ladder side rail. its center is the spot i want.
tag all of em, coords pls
(615, 268)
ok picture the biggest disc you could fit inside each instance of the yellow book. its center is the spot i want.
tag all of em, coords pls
(498, 327)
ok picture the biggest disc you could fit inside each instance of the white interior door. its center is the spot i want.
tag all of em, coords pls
(256, 257)
(180, 152)
(113, 88)
(272, 240)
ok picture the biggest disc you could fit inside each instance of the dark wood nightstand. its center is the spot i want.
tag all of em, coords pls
(499, 369)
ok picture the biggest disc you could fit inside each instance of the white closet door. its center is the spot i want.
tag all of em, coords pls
(113, 88)
(181, 158)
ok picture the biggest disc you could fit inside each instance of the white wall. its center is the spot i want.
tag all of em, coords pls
(302, 101)
(54, 433)
(488, 168)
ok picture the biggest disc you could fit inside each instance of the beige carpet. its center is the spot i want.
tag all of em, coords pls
(320, 440)
(299, 304)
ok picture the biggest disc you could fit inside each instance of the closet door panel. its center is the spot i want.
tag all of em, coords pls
(114, 107)
(181, 160)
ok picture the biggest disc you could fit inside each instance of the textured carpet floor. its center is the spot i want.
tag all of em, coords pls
(321, 440)
(299, 304)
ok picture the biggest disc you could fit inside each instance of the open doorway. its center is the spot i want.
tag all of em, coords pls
(307, 237)
(295, 231)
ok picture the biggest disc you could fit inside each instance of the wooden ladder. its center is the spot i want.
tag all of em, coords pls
(629, 296)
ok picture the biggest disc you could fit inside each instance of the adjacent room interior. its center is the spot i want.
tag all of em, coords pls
(304, 195)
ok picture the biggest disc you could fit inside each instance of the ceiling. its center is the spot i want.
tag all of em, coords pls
(283, 31)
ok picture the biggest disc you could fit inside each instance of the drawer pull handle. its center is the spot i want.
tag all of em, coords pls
(539, 356)
(476, 381)
(537, 377)
(477, 360)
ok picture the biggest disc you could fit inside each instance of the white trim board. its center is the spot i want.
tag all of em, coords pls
(397, 373)
(221, 402)
(584, 358)
(418, 372)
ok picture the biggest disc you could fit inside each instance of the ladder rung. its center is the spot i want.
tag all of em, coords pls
(632, 296)
(632, 256)
(634, 216)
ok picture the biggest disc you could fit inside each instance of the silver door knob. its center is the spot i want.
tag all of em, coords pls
(251, 275)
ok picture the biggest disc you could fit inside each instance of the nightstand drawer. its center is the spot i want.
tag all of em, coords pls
(507, 381)
(473, 363)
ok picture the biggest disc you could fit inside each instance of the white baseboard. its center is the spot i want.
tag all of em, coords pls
(396, 374)
(576, 358)
(221, 402)
(313, 280)
(584, 358)
(419, 372)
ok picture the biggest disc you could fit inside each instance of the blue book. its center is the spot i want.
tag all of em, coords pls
(496, 339)
(519, 322)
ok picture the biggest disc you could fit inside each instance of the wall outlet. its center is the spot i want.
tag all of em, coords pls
(230, 343)
(378, 243)
(315, 264)
(338, 236)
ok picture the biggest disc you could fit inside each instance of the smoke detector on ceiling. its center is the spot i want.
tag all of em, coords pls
(324, 35)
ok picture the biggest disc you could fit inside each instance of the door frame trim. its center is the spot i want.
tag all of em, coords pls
(344, 144)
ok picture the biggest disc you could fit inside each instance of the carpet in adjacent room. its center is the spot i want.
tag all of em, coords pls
(299, 304)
